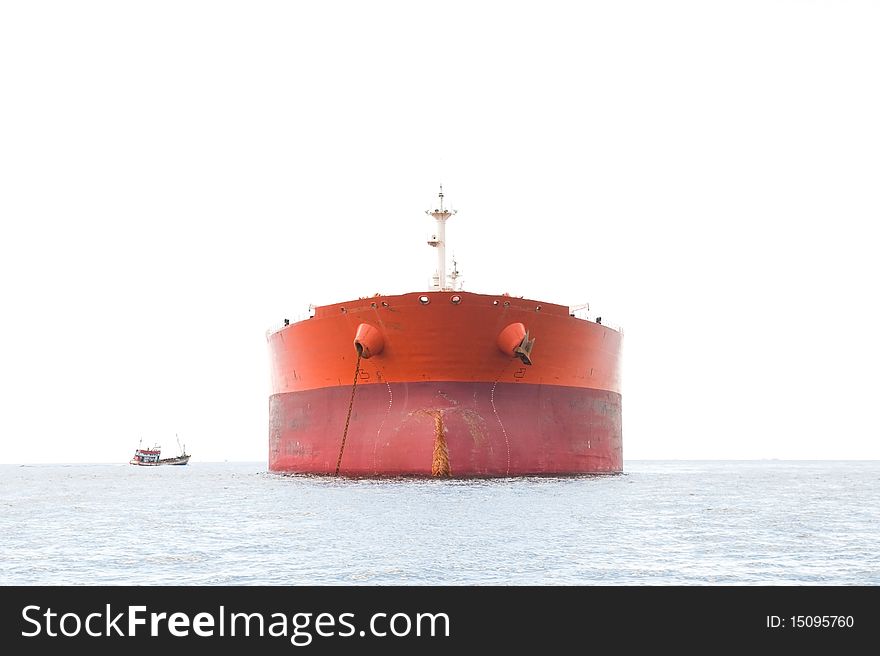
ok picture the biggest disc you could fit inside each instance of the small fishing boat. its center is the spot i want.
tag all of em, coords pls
(152, 457)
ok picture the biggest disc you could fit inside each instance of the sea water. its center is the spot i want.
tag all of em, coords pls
(659, 523)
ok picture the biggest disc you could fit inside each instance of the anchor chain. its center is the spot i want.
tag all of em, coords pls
(357, 370)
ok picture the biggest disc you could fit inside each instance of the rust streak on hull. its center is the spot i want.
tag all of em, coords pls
(440, 457)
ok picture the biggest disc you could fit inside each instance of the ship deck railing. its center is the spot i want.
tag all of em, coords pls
(580, 313)
(586, 315)
(281, 325)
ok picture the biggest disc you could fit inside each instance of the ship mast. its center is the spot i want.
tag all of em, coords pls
(438, 241)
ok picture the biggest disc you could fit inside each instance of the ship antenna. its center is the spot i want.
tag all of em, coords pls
(438, 241)
(454, 275)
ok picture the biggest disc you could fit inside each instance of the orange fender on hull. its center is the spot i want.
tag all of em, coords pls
(368, 341)
(514, 340)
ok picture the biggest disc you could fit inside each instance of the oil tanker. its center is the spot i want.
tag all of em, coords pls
(445, 383)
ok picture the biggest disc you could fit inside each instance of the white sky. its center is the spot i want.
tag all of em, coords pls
(177, 177)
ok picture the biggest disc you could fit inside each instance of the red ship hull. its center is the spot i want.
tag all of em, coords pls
(440, 394)
(393, 430)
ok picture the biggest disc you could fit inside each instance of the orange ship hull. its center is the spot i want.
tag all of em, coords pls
(441, 389)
